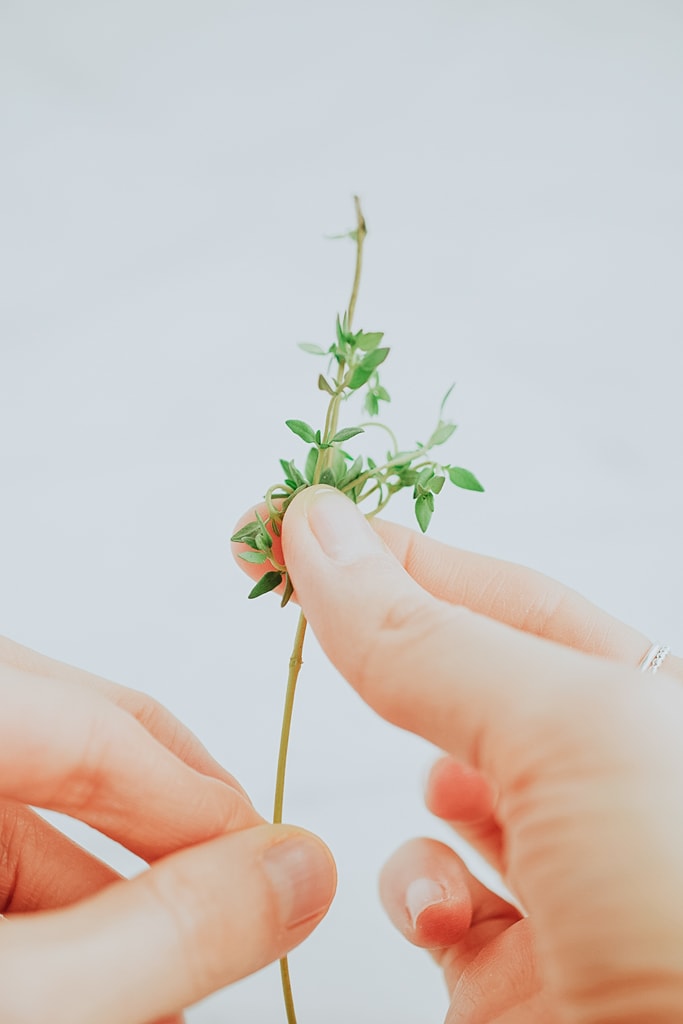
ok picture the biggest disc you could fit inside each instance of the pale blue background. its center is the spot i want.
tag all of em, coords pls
(168, 173)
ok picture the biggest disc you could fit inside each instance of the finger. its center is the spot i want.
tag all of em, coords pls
(464, 798)
(480, 690)
(437, 903)
(500, 983)
(483, 944)
(40, 868)
(156, 719)
(144, 949)
(425, 897)
(513, 594)
(66, 747)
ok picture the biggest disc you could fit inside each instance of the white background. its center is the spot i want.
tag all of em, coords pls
(168, 173)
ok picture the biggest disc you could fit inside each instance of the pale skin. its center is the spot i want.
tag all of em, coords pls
(226, 893)
(563, 765)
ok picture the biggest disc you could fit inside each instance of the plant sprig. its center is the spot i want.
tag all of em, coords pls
(356, 357)
(353, 366)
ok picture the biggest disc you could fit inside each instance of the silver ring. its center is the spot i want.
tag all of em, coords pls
(654, 658)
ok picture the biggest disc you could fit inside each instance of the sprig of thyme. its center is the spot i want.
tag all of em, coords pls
(354, 361)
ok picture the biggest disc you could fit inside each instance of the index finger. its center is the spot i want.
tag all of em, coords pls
(475, 687)
(514, 594)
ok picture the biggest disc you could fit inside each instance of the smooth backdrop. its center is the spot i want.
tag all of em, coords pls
(168, 172)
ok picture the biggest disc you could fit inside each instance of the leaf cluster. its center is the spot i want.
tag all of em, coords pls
(354, 361)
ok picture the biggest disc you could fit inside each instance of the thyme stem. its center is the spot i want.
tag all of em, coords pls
(296, 658)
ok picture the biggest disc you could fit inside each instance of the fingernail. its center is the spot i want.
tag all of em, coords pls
(301, 872)
(420, 894)
(341, 530)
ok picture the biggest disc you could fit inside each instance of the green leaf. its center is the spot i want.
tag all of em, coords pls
(368, 342)
(315, 350)
(288, 591)
(346, 433)
(343, 336)
(424, 508)
(425, 476)
(382, 393)
(441, 434)
(354, 470)
(327, 477)
(373, 359)
(363, 371)
(463, 478)
(257, 557)
(324, 385)
(371, 403)
(246, 534)
(311, 463)
(302, 430)
(359, 377)
(436, 485)
(269, 581)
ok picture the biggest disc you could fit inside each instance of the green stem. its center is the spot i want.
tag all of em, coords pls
(361, 232)
(287, 991)
(295, 663)
(296, 659)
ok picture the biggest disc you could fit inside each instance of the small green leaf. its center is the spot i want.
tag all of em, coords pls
(324, 385)
(256, 557)
(424, 507)
(269, 581)
(371, 403)
(263, 542)
(354, 470)
(311, 463)
(346, 433)
(441, 434)
(463, 478)
(382, 393)
(302, 430)
(343, 336)
(368, 342)
(363, 371)
(425, 476)
(315, 350)
(373, 359)
(360, 376)
(246, 534)
(436, 484)
(288, 591)
(327, 477)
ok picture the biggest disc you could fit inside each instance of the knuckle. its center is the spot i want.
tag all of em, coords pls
(190, 919)
(80, 785)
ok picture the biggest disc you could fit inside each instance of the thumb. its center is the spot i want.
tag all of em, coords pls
(473, 686)
(145, 949)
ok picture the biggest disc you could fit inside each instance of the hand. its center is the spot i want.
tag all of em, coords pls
(577, 762)
(227, 893)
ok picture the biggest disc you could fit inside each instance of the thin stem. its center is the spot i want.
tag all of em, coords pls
(295, 663)
(287, 990)
(296, 658)
(361, 232)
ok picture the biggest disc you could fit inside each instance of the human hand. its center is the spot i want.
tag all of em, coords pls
(577, 761)
(227, 893)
